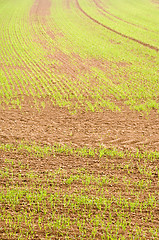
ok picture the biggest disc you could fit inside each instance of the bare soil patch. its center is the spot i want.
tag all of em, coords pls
(41, 8)
(123, 129)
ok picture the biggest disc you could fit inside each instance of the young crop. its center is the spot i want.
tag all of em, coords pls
(78, 56)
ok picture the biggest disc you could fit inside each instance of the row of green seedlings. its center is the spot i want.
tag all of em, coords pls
(84, 85)
(142, 164)
(24, 64)
(39, 66)
(79, 96)
(61, 224)
(126, 90)
(41, 94)
(136, 31)
(68, 88)
(75, 88)
(36, 201)
(101, 151)
(79, 202)
(142, 184)
(82, 177)
(54, 88)
(10, 61)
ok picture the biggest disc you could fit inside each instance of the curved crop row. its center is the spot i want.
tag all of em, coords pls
(50, 52)
(117, 32)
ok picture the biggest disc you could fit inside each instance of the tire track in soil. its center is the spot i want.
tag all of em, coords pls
(114, 31)
(54, 124)
(126, 129)
(97, 3)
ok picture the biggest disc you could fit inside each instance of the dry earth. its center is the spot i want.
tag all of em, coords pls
(125, 129)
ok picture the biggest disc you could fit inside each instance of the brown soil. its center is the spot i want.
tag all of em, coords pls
(69, 164)
(156, 2)
(125, 129)
(72, 65)
(40, 8)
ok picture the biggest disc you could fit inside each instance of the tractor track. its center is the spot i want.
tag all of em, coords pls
(97, 3)
(114, 31)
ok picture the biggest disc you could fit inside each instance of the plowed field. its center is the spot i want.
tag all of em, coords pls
(79, 119)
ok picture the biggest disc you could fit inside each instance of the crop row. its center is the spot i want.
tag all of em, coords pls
(40, 197)
(51, 57)
(121, 76)
(41, 151)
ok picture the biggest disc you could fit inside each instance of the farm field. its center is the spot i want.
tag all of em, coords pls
(79, 119)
